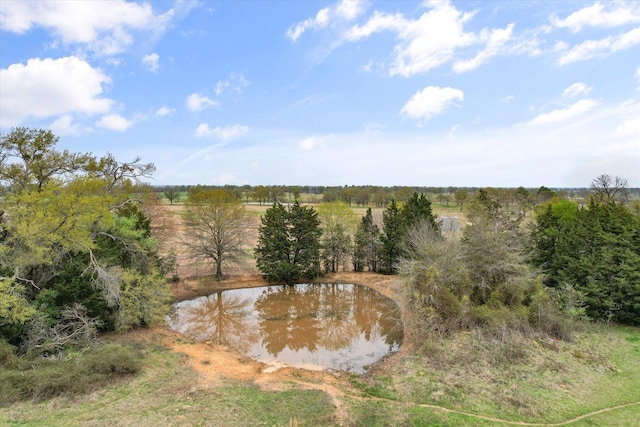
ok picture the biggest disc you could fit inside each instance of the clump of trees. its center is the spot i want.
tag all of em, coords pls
(592, 252)
(289, 243)
(76, 252)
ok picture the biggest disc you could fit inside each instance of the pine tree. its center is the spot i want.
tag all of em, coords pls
(392, 235)
(418, 210)
(288, 243)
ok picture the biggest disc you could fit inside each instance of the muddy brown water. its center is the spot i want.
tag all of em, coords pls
(336, 326)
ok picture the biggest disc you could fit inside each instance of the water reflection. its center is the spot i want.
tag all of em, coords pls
(339, 326)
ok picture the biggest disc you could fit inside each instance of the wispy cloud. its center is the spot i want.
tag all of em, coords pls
(164, 111)
(197, 102)
(575, 90)
(114, 122)
(610, 14)
(430, 101)
(564, 114)
(223, 133)
(600, 48)
(346, 10)
(152, 61)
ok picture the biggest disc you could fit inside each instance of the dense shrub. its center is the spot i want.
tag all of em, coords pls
(35, 378)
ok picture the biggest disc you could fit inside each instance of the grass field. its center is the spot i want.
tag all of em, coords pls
(599, 372)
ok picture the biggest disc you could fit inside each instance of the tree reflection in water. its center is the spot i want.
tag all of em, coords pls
(339, 326)
(223, 317)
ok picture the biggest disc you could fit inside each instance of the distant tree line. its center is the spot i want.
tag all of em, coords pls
(511, 199)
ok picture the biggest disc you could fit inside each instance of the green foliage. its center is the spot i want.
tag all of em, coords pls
(367, 244)
(417, 210)
(289, 243)
(481, 282)
(144, 300)
(393, 232)
(14, 306)
(594, 251)
(72, 238)
(78, 373)
(338, 221)
(397, 222)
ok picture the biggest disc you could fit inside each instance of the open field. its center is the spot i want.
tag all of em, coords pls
(594, 381)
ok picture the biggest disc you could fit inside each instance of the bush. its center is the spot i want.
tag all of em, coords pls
(34, 378)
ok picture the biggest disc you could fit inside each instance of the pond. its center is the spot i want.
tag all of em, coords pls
(337, 326)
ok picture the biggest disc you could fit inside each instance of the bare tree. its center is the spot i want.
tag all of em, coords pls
(608, 189)
(216, 228)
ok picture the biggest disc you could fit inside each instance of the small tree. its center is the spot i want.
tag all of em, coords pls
(368, 245)
(216, 228)
(172, 195)
(337, 223)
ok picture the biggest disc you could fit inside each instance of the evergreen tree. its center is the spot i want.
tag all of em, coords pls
(595, 251)
(288, 243)
(305, 234)
(392, 234)
(418, 210)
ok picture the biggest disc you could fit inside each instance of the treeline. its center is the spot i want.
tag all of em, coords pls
(377, 196)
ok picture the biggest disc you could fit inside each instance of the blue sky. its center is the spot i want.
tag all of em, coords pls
(435, 93)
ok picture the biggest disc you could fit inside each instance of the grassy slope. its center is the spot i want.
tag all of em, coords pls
(601, 370)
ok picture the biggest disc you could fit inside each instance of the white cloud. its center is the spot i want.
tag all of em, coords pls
(629, 127)
(433, 39)
(600, 48)
(114, 122)
(236, 82)
(346, 10)
(426, 42)
(612, 14)
(51, 87)
(64, 126)
(311, 143)
(576, 89)
(221, 86)
(164, 111)
(319, 21)
(104, 27)
(196, 102)
(151, 61)
(224, 133)
(564, 114)
(430, 101)
(496, 41)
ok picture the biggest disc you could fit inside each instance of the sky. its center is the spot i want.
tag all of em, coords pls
(433, 93)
